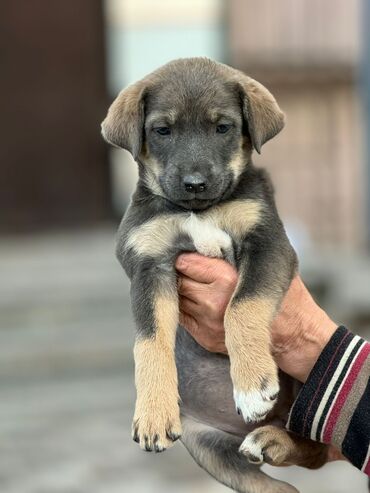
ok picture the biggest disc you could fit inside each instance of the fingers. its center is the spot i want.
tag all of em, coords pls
(202, 269)
(193, 290)
(189, 323)
(189, 307)
(205, 286)
(211, 340)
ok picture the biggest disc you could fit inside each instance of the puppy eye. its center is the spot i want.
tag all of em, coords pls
(223, 128)
(163, 130)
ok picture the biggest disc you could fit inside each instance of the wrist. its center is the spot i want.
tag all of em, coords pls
(310, 345)
(300, 332)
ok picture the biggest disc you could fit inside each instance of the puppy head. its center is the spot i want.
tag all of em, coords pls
(191, 125)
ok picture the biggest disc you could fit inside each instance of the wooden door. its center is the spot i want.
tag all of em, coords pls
(53, 163)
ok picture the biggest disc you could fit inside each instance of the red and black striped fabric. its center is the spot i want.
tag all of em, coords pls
(333, 405)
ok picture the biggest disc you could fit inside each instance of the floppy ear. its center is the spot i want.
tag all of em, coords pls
(124, 123)
(261, 112)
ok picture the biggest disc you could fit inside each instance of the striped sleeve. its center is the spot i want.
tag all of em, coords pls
(333, 406)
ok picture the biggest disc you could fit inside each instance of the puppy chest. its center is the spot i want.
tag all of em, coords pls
(212, 232)
(160, 235)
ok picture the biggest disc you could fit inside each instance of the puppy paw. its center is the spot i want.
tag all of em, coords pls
(155, 432)
(267, 444)
(208, 239)
(254, 404)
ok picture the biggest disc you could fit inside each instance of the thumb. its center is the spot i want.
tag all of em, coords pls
(189, 323)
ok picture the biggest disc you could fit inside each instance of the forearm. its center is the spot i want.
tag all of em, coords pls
(300, 332)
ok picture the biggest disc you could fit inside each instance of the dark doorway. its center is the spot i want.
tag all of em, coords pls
(53, 163)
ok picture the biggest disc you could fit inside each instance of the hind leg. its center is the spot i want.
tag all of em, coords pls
(277, 447)
(218, 453)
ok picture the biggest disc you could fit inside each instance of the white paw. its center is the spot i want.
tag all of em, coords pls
(254, 405)
(209, 249)
(209, 240)
(252, 449)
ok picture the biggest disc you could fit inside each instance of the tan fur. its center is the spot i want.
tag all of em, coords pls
(157, 235)
(153, 169)
(247, 340)
(214, 115)
(157, 412)
(237, 164)
(236, 217)
(282, 448)
(165, 118)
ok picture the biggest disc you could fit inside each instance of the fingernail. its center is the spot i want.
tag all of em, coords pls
(181, 261)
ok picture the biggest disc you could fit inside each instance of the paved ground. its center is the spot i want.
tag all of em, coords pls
(66, 387)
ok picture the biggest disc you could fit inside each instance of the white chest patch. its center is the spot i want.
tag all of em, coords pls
(211, 231)
(208, 239)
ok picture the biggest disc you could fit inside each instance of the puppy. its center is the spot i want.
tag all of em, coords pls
(192, 126)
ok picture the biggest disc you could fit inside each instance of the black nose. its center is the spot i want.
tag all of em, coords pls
(194, 183)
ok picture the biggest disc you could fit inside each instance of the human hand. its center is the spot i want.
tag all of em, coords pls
(205, 286)
(299, 332)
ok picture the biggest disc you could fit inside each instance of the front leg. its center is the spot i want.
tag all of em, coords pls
(265, 274)
(253, 370)
(156, 423)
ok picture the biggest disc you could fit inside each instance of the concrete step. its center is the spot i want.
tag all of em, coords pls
(64, 304)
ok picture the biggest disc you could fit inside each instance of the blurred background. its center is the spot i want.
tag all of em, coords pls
(66, 332)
